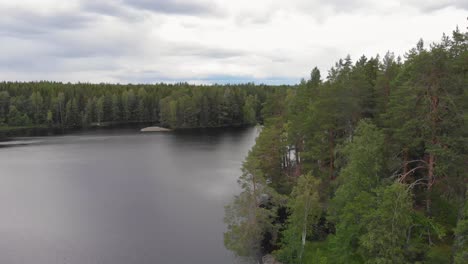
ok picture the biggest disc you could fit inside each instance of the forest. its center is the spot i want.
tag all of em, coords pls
(81, 105)
(367, 165)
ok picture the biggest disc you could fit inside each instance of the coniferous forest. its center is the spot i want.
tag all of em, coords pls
(59, 105)
(367, 164)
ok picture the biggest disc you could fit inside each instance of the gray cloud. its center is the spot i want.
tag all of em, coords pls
(432, 5)
(131, 9)
(196, 50)
(111, 8)
(318, 8)
(27, 22)
(424, 5)
(184, 7)
(181, 40)
(45, 58)
(72, 49)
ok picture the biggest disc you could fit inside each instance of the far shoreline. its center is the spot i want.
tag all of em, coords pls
(10, 133)
(155, 129)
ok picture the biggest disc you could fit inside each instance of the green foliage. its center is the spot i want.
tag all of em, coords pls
(440, 254)
(72, 115)
(115, 108)
(317, 253)
(461, 236)
(16, 118)
(249, 217)
(100, 110)
(364, 168)
(305, 209)
(176, 106)
(49, 118)
(387, 139)
(37, 108)
(4, 106)
(248, 110)
(387, 224)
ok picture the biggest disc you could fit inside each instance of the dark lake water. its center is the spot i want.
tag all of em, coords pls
(119, 197)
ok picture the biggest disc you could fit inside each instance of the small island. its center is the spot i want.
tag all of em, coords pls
(155, 129)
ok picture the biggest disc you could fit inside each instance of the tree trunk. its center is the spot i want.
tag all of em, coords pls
(405, 160)
(331, 154)
(304, 228)
(432, 157)
(61, 115)
(254, 186)
(430, 174)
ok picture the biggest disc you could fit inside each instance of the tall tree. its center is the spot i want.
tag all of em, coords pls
(353, 198)
(248, 217)
(305, 209)
(4, 105)
(37, 107)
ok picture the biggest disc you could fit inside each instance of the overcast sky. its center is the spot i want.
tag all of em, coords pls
(208, 41)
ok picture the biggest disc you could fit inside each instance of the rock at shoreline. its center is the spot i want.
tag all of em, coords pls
(155, 129)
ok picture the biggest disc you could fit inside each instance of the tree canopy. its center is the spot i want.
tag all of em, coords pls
(369, 162)
(66, 105)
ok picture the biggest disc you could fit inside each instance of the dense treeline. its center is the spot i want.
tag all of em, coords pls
(367, 166)
(176, 106)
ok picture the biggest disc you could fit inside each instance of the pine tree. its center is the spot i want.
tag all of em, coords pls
(115, 109)
(4, 105)
(248, 217)
(37, 107)
(100, 110)
(248, 111)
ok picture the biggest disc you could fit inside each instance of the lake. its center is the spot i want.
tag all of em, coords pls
(119, 196)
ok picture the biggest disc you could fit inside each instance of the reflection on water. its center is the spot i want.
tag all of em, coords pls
(119, 197)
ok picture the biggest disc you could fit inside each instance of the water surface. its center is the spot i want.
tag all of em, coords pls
(119, 197)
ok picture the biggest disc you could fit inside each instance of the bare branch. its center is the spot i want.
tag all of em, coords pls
(402, 177)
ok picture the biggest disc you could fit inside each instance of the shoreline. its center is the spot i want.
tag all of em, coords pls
(155, 129)
(9, 133)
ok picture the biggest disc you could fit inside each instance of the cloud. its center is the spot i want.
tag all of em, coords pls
(108, 8)
(28, 23)
(201, 51)
(132, 9)
(185, 7)
(434, 5)
(207, 41)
